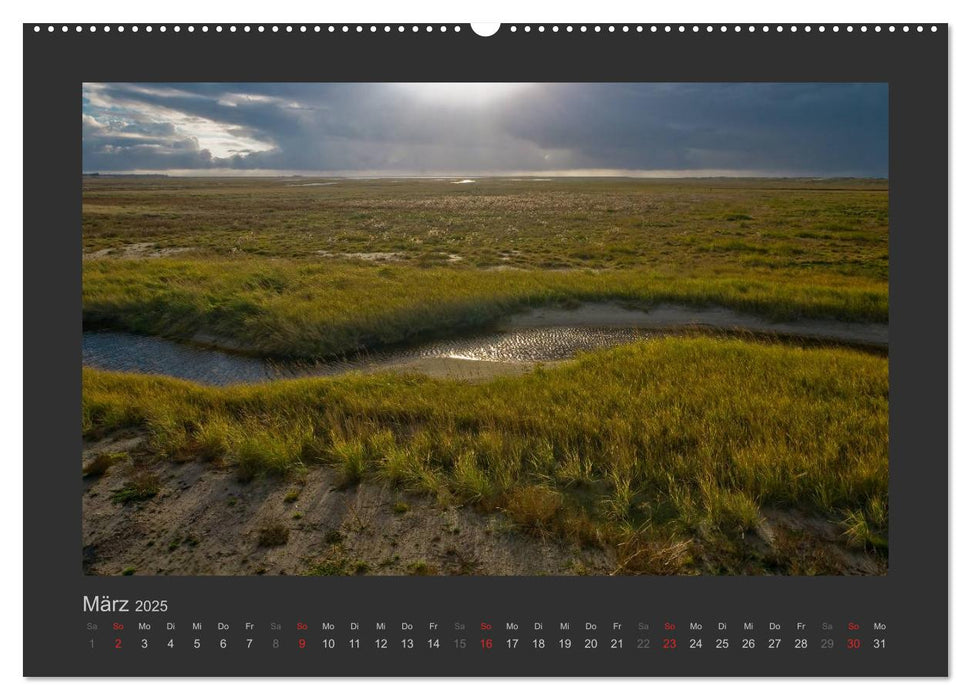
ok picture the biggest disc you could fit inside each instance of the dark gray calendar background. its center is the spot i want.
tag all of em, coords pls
(912, 599)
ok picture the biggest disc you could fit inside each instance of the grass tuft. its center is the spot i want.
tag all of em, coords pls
(422, 568)
(534, 507)
(100, 464)
(273, 534)
(143, 486)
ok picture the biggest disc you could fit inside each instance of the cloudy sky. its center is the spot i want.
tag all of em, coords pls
(666, 129)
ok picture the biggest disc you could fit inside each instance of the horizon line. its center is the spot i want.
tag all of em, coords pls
(534, 175)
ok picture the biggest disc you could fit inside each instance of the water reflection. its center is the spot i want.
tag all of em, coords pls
(126, 352)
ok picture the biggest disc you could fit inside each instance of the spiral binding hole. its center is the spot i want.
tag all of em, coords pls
(569, 28)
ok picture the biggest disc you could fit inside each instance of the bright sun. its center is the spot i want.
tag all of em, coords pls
(463, 93)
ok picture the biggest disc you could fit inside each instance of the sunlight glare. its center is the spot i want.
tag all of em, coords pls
(463, 93)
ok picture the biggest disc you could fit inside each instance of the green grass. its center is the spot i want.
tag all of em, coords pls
(337, 565)
(327, 309)
(101, 463)
(143, 486)
(273, 534)
(670, 452)
(567, 222)
(421, 568)
(667, 450)
(250, 273)
(291, 496)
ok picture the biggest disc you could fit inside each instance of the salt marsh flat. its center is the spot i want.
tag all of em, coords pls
(675, 454)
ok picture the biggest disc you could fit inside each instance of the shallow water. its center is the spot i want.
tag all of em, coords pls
(538, 335)
(126, 352)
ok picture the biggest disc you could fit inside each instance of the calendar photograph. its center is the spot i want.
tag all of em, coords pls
(485, 329)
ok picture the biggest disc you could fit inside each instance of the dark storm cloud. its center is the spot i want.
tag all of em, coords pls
(794, 129)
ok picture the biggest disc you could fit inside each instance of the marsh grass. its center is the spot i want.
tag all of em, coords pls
(281, 271)
(866, 527)
(534, 507)
(644, 447)
(102, 462)
(565, 223)
(142, 486)
(338, 565)
(421, 568)
(274, 533)
(668, 451)
(324, 310)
